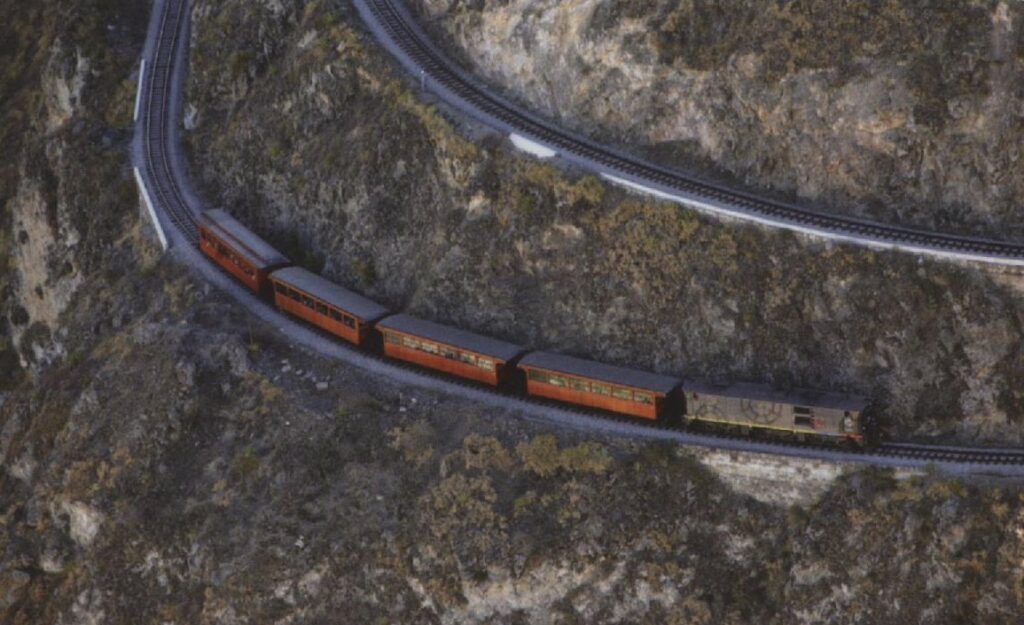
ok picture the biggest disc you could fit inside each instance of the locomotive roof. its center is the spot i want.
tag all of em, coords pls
(325, 290)
(243, 240)
(600, 371)
(766, 393)
(462, 339)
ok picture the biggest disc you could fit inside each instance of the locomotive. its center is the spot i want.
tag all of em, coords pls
(750, 408)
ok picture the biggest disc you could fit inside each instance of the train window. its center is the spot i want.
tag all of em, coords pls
(335, 315)
(600, 389)
(392, 338)
(320, 308)
(449, 353)
(307, 302)
(430, 348)
(410, 342)
(292, 293)
(621, 393)
(537, 376)
(801, 410)
(556, 380)
(280, 288)
(467, 358)
(349, 322)
(643, 398)
(804, 421)
(486, 365)
(579, 385)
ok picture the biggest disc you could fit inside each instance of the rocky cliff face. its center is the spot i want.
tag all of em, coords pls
(302, 128)
(896, 110)
(172, 460)
(64, 187)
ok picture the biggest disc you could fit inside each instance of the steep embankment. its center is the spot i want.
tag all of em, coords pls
(66, 195)
(899, 110)
(304, 130)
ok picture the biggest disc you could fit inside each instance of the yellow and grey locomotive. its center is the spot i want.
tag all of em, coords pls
(798, 411)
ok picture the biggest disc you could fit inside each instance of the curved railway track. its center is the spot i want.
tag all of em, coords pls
(157, 129)
(420, 56)
(157, 122)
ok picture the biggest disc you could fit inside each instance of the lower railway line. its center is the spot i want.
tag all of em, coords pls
(156, 127)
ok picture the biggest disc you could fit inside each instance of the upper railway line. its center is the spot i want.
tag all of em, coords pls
(156, 130)
(397, 31)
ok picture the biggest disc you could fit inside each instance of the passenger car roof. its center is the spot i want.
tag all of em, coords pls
(599, 371)
(242, 240)
(462, 339)
(355, 304)
(764, 392)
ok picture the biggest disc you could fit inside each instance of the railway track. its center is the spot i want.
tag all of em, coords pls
(157, 121)
(424, 60)
(953, 455)
(156, 125)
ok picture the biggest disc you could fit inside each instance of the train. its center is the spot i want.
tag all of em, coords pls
(800, 414)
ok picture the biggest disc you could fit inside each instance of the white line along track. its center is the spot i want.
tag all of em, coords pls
(149, 207)
(138, 94)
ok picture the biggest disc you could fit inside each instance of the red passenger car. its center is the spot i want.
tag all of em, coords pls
(454, 351)
(235, 248)
(597, 385)
(326, 305)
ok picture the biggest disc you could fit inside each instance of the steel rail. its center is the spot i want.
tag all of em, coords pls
(157, 136)
(422, 58)
(157, 147)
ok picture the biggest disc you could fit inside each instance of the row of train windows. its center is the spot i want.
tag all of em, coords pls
(319, 307)
(439, 350)
(226, 252)
(590, 387)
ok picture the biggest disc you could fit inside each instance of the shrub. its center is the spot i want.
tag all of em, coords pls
(245, 464)
(482, 452)
(542, 456)
(586, 457)
(366, 271)
(413, 442)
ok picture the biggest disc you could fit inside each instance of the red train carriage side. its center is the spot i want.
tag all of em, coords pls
(241, 253)
(443, 348)
(597, 385)
(326, 305)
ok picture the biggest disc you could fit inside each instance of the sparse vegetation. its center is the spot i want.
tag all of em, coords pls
(245, 464)
(414, 442)
(365, 271)
(542, 457)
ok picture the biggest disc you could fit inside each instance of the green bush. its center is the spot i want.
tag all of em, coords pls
(245, 464)
(542, 457)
